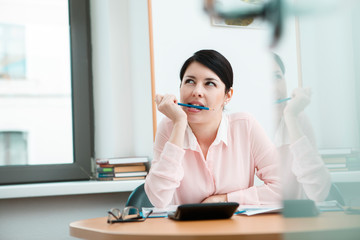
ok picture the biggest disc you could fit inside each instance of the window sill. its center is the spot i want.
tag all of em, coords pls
(66, 188)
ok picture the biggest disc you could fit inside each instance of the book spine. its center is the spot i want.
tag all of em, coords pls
(127, 178)
(137, 168)
(120, 178)
(105, 175)
(105, 179)
(104, 170)
(121, 160)
(130, 174)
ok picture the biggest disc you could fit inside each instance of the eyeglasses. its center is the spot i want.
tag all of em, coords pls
(129, 214)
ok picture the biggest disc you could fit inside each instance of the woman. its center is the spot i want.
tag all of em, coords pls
(303, 170)
(206, 155)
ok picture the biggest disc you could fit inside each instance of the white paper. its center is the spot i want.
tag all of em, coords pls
(259, 209)
(159, 212)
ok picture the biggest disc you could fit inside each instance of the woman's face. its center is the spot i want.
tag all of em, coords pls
(201, 86)
(280, 90)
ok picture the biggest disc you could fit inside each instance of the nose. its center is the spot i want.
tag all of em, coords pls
(198, 91)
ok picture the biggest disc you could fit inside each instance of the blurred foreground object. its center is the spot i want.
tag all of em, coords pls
(232, 10)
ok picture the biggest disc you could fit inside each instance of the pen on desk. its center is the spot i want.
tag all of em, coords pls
(241, 211)
(193, 106)
(282, 100)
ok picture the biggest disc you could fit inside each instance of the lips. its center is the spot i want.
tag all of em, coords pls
(195, 103)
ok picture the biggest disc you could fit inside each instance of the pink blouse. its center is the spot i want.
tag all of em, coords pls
(241, 149)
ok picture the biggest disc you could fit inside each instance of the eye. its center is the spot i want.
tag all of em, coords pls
(278, 77)
(210, 83)
(189, 81)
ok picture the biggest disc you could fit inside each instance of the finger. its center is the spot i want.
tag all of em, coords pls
(169, 98)
(293, 93)
(158, 99)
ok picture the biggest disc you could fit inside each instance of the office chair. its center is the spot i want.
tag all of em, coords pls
(138, 198)
(335, 194)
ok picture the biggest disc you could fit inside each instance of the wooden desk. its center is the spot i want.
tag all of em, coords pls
(329, 225)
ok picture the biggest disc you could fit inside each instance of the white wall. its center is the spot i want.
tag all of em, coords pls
(121, 73)
(329, 68)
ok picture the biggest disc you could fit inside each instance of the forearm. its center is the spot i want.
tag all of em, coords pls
(216, 198)
(294, 130)
(300, 100)
(310, 170)
(165, 175)
(178, 133)
(266, 194)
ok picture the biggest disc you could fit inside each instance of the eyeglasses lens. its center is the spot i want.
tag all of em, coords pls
(114, 214)
(130, 213)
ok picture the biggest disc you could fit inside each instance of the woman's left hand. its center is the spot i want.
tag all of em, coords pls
(215, 198)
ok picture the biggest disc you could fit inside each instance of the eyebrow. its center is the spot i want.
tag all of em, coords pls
(213, 79)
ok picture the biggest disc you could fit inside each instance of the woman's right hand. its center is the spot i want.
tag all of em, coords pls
(167, 105)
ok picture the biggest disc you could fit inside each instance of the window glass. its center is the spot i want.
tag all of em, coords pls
(13, 148)
(35, 83)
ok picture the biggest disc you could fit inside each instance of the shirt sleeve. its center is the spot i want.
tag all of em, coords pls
(166, 170)
(265, 157)
(310, 170)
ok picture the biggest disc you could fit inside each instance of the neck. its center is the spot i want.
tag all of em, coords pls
(205, 133)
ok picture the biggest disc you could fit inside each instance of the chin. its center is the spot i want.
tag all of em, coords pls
(195, 119)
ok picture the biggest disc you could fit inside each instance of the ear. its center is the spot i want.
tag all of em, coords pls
(229, 95)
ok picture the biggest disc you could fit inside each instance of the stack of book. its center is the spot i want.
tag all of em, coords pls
(119, 169)
(335, 164)
(342, 159)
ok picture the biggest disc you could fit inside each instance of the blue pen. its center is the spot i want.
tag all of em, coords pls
(241, 211)
(282, 100)
(193, 106)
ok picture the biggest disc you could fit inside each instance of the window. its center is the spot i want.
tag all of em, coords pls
(13, 148)
(12, 51)
(46, 128)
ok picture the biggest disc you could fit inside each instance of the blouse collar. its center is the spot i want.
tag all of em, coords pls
(190, 141)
